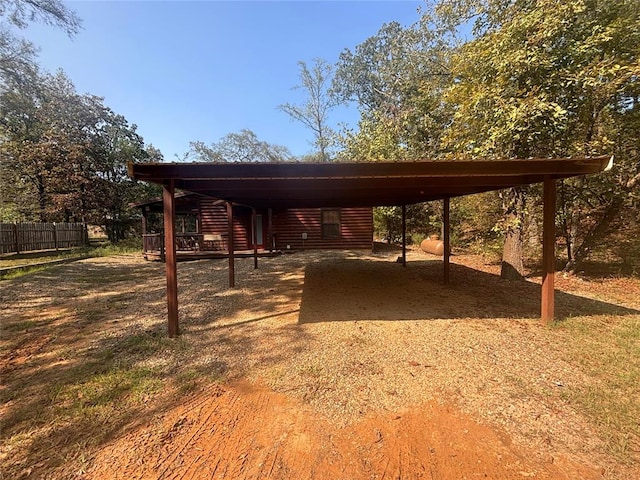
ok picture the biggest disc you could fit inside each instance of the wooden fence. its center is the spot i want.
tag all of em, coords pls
(26, 237)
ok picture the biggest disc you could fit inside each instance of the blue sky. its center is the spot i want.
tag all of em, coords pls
(186, 71)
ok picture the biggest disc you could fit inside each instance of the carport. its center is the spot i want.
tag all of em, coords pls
(326, 185)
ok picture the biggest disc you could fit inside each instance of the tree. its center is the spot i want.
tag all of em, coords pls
(421, 220)
(314, 112)
(243, 146)
(49, 131)
(19, 82)
(499, 114)
(17, 58)
(65, 155)
(546, 79)
(378, 138)
(397, 78)
(537, 79)
(17, 54)
(50, 12)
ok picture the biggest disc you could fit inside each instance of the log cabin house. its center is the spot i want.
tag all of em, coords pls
(202, 228)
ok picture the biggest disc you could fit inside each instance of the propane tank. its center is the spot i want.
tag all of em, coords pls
(432, 245)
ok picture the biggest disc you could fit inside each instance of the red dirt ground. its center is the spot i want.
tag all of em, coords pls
(247, 432)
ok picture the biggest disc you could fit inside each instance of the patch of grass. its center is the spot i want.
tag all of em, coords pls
(23, 271)
(147, 343)
(608, 351)
(71, 396)
(20, 326)
(79, 408)
(312, 370)
(114, 378)
(188, 380)
(130, 246)
(30, 258)
(111, 389)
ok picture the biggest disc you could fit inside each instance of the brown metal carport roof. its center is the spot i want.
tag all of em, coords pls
(277, 185)
(358, 184)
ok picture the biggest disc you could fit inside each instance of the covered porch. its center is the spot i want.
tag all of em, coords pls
(194, 236)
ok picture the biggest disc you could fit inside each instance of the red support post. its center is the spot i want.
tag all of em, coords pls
(270, 227)
(169, 204)
(254, 221)
(548, 250)
(199, 217)
(404, 235)
(230, 246)
(446, 237)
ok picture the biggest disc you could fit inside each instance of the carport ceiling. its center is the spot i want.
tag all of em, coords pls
(358, 184)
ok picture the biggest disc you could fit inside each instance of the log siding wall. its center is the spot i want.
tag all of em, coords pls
(356, 229)
(213, 218)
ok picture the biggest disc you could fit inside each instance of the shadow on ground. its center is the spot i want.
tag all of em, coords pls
(422, 296)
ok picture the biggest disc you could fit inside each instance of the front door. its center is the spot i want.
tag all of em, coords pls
(258, 235)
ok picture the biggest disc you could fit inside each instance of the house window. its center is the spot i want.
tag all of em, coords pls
(330, 224)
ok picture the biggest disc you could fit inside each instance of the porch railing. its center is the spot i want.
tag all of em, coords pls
(185, 242)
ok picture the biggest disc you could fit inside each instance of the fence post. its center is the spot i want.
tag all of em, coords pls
(15, 237)
(55, 236)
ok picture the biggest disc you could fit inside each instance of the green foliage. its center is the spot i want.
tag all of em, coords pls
(474, 218)
(128, 246)
(24, 264)
(8, 211)
(17, 54)
(397, 77)
(243, 146)
(64, 156)
(422, 220)
(50, 12)
(538, 76)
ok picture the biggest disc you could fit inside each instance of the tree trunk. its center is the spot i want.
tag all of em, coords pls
(574, 224)
(323, 154)
(565, 225)
(596, 233)
(568, 239)
(512, 265)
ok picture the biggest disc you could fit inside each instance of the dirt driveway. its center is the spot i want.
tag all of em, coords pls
(249, 432)
(318, 365)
